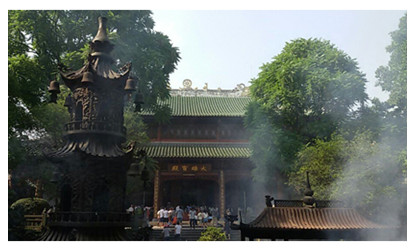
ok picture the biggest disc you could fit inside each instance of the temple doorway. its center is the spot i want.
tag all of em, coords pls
(190, 192)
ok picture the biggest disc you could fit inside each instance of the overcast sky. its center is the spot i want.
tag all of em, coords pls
(224, 48)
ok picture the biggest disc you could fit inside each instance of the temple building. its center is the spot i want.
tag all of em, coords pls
(203, 153)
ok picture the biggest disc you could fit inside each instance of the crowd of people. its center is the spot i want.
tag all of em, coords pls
(171, 218)
(141, 211)
(203, 216)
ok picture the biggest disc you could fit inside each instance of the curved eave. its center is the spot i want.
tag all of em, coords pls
(103, 71)
(88, 147)
(197, 150)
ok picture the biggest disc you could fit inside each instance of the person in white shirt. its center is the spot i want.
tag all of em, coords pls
(177, 231)
(165, 216)
(205, 219)
(200, 218)
(160, 216)
(130, 210)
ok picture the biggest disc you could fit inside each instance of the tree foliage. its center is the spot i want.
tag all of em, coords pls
(393, 77)
(324, 160)
(41, 41)
(363, 173)
(366, 167)
(311, 86)
(309, 91)
(212, 234)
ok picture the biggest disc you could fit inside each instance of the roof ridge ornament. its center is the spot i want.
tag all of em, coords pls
(187, 84)
(308, 199)
(268, 200)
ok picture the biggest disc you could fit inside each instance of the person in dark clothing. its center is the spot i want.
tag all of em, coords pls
(166, 233)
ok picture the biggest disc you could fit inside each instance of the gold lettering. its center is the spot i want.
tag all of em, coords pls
(203, 168)
(184, 168)
(175, 168)
(194, 168)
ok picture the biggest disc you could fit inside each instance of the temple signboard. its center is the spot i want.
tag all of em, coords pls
(190, 168)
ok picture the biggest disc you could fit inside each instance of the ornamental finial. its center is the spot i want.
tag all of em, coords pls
(101, 45)
(308, 194)
(101, 35)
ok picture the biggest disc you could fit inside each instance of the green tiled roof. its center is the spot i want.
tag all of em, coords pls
(205, 106)
(197, 150)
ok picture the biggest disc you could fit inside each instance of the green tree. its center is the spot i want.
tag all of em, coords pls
(311, 86)
(42, 41)
(324, 160)
(367, 170)
(310, 90)
(393, 77)
(361, 172)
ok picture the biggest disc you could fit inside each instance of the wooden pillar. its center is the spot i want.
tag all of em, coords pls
(156, 191)
(222, 193)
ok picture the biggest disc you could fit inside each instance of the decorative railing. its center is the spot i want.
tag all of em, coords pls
(96, 126)
(288, 203)
(300, 203)
(329, 203)
(85, 219)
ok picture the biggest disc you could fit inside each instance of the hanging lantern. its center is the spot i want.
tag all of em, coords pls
(133, 171)
(87, 77)
(54, 87)
(130, 85)
(54, 90)
(68, 101)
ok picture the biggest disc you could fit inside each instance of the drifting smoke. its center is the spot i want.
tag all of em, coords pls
(374, 182)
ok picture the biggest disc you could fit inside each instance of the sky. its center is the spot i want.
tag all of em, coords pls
(226, 47)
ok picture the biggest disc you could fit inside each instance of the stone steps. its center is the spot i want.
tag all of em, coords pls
(235, 235)
(188, 234)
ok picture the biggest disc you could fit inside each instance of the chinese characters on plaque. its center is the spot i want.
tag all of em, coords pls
(190, 168)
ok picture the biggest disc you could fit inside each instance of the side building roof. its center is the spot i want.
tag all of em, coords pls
(312, 218)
